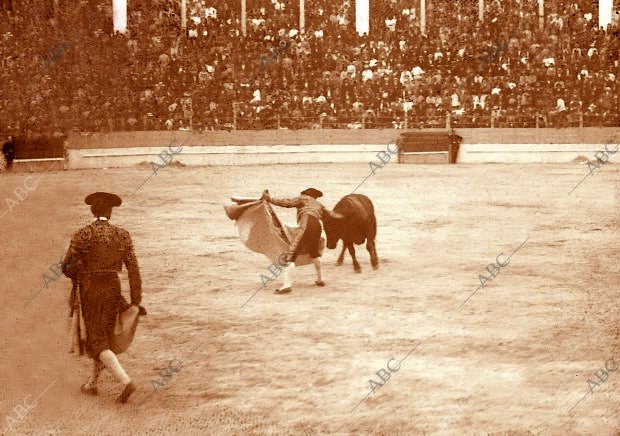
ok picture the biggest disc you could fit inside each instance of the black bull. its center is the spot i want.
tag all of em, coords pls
(357, 225)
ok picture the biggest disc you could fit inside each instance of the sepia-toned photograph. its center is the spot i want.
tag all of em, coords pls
(310, 217)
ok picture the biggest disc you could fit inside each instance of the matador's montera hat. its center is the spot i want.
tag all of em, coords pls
(314, 193)
(103, 200)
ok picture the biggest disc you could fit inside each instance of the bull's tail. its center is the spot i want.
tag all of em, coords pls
(374, 222)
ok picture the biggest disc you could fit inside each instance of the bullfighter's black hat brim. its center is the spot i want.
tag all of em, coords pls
(103, 199)
(315, 193)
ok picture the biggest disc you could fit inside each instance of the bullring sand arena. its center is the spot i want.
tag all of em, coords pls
(534, 351)
(485, 134)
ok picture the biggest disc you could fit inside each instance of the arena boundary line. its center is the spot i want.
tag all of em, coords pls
(323, 153)
(505, 145)
(38, 164)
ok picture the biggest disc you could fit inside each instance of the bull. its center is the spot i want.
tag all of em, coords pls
(354, 224)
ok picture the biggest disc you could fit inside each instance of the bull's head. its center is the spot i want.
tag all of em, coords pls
(333, 224)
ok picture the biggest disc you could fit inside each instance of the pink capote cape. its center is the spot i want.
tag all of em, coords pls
(261, 231)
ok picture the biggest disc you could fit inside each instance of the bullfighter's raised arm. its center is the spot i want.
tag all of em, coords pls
(282, 202)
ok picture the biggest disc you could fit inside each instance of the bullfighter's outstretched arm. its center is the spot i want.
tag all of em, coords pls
(283, 202)
(286, 202)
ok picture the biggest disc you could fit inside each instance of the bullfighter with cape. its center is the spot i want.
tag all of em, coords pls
(261, 231)
(96, 254)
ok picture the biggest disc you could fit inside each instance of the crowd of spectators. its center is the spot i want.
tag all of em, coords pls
(63, 68)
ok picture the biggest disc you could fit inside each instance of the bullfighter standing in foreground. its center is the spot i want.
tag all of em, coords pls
(95, 256)
(310, 212)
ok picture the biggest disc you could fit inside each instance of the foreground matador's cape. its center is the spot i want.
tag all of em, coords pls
(261, 230)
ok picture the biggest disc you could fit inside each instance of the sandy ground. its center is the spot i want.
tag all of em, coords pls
(514, 359)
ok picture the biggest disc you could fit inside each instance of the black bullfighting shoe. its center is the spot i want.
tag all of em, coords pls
(89, 390)
(124, 396)
(284, 290)
(319, 283)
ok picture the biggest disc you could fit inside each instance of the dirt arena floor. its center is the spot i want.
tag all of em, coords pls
(514, 359)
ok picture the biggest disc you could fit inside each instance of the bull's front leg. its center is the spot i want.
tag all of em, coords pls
(341, 257)
(356, 265)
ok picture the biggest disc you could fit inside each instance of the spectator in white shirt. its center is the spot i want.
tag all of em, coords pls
(367, 75)
(405, 77)
(390, 24)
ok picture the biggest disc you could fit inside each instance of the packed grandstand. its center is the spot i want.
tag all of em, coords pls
(64, 70)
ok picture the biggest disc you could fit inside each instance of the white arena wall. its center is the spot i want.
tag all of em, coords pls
(223, 155)
(122, 149)
(529, 153)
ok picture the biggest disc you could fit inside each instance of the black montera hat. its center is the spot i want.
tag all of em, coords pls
(103, 200)
(315, 193)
